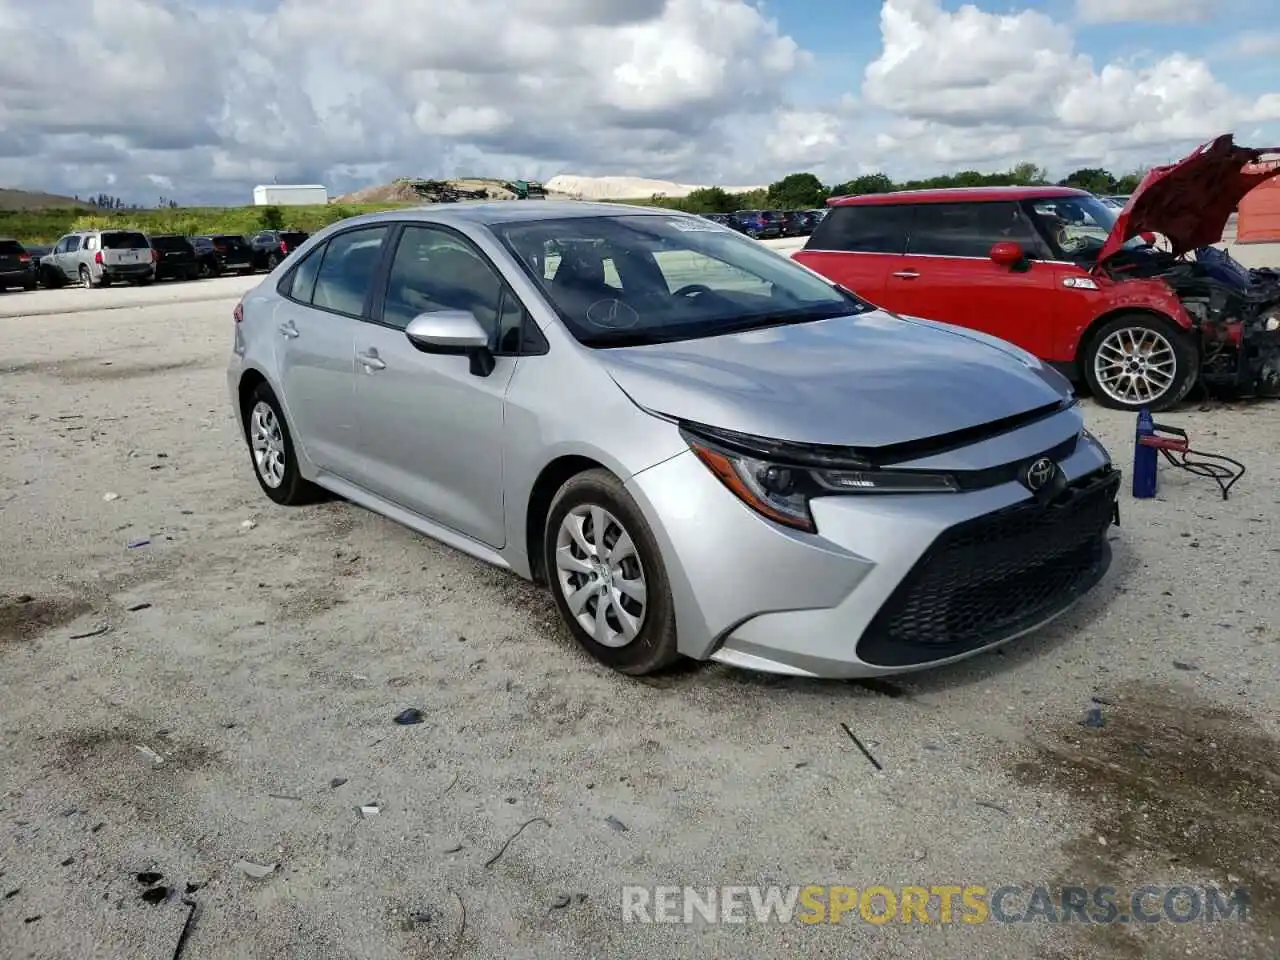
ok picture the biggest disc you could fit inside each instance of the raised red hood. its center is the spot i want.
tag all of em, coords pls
(1190, 201)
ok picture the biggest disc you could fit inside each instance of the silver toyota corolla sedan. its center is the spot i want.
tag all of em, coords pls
(701, 447)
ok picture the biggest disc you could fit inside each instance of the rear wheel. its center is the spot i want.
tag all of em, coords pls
(1139, 360)
(271, 450)
(273, 261)
(607, 576)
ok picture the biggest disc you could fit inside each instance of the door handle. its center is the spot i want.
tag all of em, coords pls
(371, 361)
(288, 330)
(905, 274)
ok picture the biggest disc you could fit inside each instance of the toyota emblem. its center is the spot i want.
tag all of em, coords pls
(1039, 474)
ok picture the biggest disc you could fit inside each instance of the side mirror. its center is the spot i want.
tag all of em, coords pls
(455, 332)
(1006, 253)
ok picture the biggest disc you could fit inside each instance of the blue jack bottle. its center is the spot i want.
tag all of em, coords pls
(1145, 458)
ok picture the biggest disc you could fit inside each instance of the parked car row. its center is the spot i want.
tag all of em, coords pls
(770, 224)
(99, 258)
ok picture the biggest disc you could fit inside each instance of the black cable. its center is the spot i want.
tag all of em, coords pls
(1223, 476)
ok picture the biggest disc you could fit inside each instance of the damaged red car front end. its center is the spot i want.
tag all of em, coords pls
(1235, 312)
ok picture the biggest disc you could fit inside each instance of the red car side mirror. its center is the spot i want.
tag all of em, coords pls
(1007, 253)
(1148, 238)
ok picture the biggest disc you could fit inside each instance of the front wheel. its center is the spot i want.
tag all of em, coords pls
(607, 576)
(1139, 360)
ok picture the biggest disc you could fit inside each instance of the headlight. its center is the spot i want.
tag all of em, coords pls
(779, 485)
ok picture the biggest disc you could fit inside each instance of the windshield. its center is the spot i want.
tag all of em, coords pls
(1079, 226)
(638, 279)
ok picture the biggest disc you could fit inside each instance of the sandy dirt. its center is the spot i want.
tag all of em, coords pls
(153, 604)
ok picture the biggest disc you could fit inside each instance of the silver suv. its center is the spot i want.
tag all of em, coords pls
(97, 258)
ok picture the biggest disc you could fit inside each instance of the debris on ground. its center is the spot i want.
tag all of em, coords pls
(135, 544)
(560, 902)
(149, 878)
(369, 810)
(248, 524)
(616, 824)
(409, 717)
(154, 895)
(95, 632)
(1093, 718)
(497, 856)
(256, 871)
(336, 782)
(150, 754)
(108, 497)
(859, 744)
(139, 606)
(1180, 665)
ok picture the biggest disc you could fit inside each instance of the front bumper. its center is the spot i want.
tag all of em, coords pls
(890, 584)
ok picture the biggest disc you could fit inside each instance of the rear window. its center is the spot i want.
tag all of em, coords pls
(293, 239)
(10, 248)
(873, 228)
(124, 241)
(229, 240)
(169, 243)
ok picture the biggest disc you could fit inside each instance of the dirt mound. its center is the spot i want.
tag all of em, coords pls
(29, 200)
(429, 191)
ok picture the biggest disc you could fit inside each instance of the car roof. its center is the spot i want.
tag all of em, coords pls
(490, 213)
(957, 194)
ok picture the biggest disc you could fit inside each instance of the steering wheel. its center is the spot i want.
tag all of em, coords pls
(693, 290)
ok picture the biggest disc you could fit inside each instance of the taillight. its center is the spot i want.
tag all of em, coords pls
(155, 255)
(97, 257)
(284, 247)
(238, 312)
(24, 258)
(220, 247)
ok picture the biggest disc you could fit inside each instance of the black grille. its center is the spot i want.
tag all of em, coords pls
(992, 576)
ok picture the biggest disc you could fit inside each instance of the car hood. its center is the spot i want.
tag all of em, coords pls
(1190, 201)
(869, 380)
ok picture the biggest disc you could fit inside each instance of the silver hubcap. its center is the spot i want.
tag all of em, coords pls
(1135, 365)
(267, 442)
(600, 575)
(85, 278)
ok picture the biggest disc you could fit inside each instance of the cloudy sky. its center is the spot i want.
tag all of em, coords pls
(200, 99)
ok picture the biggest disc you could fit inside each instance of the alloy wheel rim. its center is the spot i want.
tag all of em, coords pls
(266, 440)
(600, 575)
(86, 279)
(1135, 365)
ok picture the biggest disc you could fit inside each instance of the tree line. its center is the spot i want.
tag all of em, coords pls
(804, 191)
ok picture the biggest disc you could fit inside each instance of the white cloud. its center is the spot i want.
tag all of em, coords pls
(1021, 91)
(1146, 11)
(208, 99)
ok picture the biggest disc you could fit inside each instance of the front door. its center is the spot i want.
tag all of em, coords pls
(856, 245)
(431, 430)
(948, 275)
(315, 332)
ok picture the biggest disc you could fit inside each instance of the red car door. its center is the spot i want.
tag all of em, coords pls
(947, 274)
(856, 244)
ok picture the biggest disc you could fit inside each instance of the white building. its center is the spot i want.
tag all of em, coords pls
(290, 195)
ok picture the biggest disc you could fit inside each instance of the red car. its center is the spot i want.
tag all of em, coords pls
(1075, 281)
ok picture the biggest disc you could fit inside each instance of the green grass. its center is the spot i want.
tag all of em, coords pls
(46, 226)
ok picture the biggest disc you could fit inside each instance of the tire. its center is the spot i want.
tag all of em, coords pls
(584, 499)
(204, 271)
(283, 483)
(1169, 356)
(29, 286)
(87, 281)
(273, 261)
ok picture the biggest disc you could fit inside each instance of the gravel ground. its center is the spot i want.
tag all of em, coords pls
(154, 604)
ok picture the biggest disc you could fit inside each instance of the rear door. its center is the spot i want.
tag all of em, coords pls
(324, 298)
(125, 248)
(236, 252)
(856, 245)
(947, 273)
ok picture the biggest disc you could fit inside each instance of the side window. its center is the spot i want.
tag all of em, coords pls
(91, 243)
(969, 229)
(864, 228)
(346, 272)
(435, 270)
(69, 244)
(302, 281)
(61, 246)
